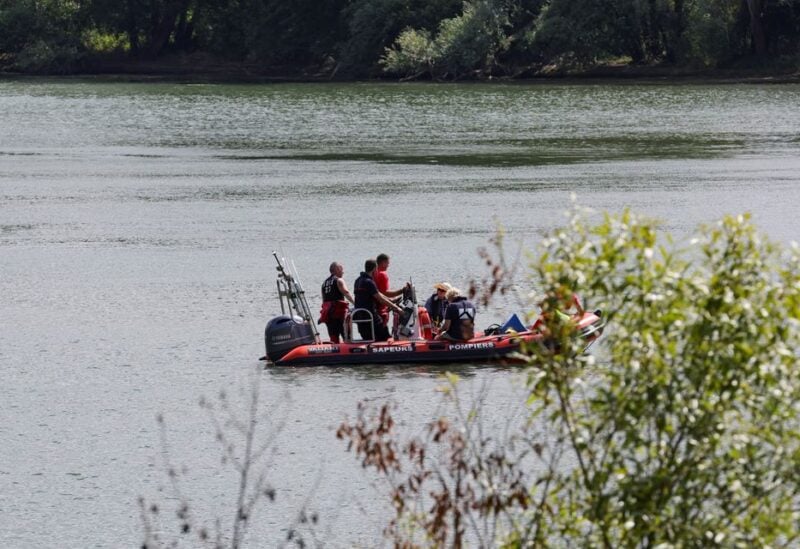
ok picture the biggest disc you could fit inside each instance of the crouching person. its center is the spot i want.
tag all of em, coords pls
(459, 318)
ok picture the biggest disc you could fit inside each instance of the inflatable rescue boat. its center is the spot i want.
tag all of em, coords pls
(292, 338)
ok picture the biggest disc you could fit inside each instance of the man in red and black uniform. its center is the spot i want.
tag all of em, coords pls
(367, 296)
(334, 306)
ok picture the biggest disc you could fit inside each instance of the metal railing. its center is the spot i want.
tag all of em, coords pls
(365, 317)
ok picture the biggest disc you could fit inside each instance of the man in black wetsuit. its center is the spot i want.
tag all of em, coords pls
(368, 297)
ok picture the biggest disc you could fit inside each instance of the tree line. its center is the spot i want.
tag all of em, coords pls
(438, 39)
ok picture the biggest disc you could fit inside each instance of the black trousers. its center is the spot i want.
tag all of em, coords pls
(335, 330)
(381, 332)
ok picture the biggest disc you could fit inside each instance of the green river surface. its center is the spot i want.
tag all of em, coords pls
(137, 222)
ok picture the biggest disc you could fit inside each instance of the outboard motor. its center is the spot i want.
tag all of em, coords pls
(284, 333)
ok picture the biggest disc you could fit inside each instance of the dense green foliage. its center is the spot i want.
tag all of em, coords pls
(683, 432)
(443, 39)
(691, 430)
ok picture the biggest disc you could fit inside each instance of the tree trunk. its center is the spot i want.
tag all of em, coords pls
(654, 47)
(133, 40)
(756, 9)
(183, 32)
(132, 28)
(674, 35)
(166, 25)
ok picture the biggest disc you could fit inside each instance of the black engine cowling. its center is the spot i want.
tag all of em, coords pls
(283, 333)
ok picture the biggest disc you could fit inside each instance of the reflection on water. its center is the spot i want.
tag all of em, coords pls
(398, 371)
(543, 152)
(473, 125)
(137, 223)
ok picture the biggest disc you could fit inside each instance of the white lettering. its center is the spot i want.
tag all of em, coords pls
(398, 349)
(323, 349)
(471, 346)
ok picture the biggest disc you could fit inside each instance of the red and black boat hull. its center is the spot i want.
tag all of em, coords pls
(297, 346)
(488, 348)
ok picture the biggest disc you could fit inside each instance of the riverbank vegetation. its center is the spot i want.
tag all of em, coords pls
(684, 432)
(400, 39)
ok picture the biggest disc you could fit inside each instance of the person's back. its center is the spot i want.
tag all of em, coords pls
(330, 289)
(334, 306)
(462, 318)
(363, 290)
(368, 297)
(459, 318)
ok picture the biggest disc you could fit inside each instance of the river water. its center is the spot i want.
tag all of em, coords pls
(137, 223)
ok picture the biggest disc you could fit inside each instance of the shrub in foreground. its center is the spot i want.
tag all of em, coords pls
(683, 431)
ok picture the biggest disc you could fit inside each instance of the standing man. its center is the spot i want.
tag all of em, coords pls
(334, 306)
(367, 296)
(382, 282)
